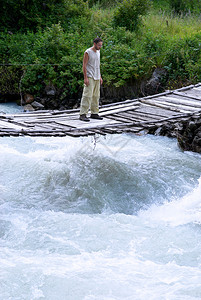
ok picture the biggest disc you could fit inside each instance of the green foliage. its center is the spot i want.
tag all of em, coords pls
(183, 60)
(122, 64)
(9, 79)
(160, 5)
(53, 55)
(185, 6)
(102, 3)
(31, 15)
(128, 13)
(50, 56)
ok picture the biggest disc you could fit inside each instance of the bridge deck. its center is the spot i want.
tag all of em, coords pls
(129, 116)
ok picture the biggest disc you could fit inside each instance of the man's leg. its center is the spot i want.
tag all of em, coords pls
(95, 101)
(87, 97)
(95, 97)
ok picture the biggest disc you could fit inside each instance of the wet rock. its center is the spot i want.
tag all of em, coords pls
(187, 132)
(28, 107)
(189, 138)
(192, 126)
(51, 103)
(28, 98)
(154, 85)
(37, 105)
(50, 90)
(165, 130)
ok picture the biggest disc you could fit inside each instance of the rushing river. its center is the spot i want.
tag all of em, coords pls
(110, 218)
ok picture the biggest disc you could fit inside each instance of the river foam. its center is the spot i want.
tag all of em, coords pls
(104, 218)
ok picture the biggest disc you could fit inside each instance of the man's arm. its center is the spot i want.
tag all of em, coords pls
(85, 61)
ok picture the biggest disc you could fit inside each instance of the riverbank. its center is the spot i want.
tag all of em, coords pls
(187, 132)
(164, 53)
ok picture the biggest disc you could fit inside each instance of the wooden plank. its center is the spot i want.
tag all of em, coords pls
(135, 129)
(41, 118)
(76, 133)
(118, 118)
(194, 94)
(186, 97)
(110, 130)
(149, 109)
(87, 125)
(185, 88)
(5, 124)
(114, 111)
(164, 120)
(119, 106)
(133, 118)
(29, 114)
(3, 133)
(121, 102)
(46, 121)
(98, 131)
(141, 115)
(171, 106)
(56, 125)
(181, 101)
(156, 95)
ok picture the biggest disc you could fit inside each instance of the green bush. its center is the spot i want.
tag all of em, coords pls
(10, 77)
(123, 65)
(184, 6)
(161, 5)
(31, 15)
(103, 3)
(183, 60)
(128, 13)
(53, 55)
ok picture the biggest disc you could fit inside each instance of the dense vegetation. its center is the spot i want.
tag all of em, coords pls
(42, 43)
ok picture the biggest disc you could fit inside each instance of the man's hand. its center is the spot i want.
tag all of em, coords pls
(86, 81)
(85, 61)
(101, 81)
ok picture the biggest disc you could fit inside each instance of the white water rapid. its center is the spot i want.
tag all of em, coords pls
(111, 218)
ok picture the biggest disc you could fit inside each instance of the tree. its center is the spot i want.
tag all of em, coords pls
(128, 13)
(184, 6)
(26, 15)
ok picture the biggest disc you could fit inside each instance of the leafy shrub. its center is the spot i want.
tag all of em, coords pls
(9, 79)
(128, 13)
(53, 61)
(31, 15)
(160, 5)
(184, 6)
(53, 55)
(102, 3)
(183, 60)
(122, 64)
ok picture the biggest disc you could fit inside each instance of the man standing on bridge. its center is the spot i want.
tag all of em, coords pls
(92, 81)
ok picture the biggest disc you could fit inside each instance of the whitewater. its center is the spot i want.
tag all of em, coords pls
(99, 218)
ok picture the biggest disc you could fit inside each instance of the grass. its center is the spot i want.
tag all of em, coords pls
(164, 40)
(172, 26)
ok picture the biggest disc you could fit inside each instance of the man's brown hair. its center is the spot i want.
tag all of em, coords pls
(97, 40)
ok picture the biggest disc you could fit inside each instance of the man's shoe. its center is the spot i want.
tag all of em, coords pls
(96, 116)
(84, 118)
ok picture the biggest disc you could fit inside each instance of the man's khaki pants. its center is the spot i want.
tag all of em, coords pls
(90, 97)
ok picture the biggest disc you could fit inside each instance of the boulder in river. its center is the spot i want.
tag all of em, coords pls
(154, 85)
